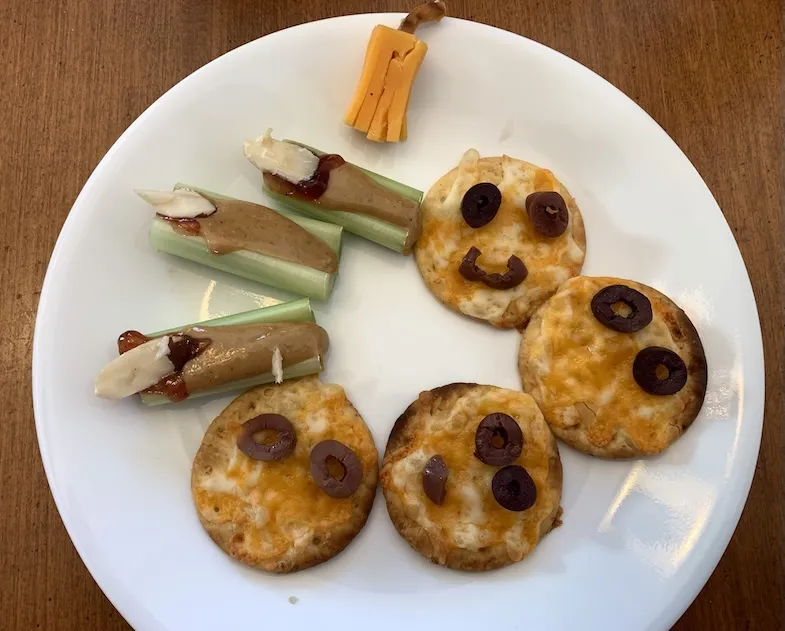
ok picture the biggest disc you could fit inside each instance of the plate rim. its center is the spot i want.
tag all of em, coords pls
(123, 599)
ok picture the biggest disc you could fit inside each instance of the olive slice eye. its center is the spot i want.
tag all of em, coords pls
(282, 446)
(513, 488)
(659, 371)
(622, 308)
(548, 213)
(498, 440)
(480, 204)
(335, 468)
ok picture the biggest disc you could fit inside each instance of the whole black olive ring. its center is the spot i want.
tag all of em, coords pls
(480, 204)
(548, 213)
(337, 487)
(672, 371)
(434, 479)
(516, 271)
(499, 440)
(513, 488)
(283, 445)
(640, 314)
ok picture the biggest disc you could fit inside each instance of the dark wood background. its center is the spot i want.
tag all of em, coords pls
(76, 73)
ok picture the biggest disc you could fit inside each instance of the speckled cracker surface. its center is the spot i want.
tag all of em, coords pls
(446, 238)
(272, 515)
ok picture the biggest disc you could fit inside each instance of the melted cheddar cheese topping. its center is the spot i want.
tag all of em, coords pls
(446, 238)
(470, 517)
(580, 371)
(275, 509)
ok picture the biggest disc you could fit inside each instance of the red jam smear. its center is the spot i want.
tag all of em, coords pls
(181, 351)
(312, 188)
(130, 340)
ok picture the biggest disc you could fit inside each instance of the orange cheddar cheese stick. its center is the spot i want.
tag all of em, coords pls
(392, 59)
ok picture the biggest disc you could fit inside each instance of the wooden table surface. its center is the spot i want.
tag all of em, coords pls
(76, 73)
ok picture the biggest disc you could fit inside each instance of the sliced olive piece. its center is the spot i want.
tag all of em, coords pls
(284, 443)
(659, 371)
(548, 213)
(513, 488)
(516, 271)
(480, 204)
(607, 304)
(434, 479)
(499, 440)
(336, 468)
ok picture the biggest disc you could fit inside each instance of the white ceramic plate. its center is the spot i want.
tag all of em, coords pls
(639, 538)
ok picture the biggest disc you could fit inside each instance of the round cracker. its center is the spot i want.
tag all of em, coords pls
(470, 531)
(272, 515)
(580, 373)
(446, 238)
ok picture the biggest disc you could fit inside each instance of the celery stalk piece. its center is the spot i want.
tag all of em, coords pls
(292, 311)
(402, 189)
(330, 233)
(381, 232)
(308, 367)
(269, 270)
(376, 230)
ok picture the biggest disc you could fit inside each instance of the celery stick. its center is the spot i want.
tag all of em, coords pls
(269, 270)
(307, 367)
(292, 311)
(402, 189)
(381, 232)
(330, 233)
(376, 230)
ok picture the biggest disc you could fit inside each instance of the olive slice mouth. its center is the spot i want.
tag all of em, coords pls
(637, 312)
(335, 468)
(659, 371)
(516, 271)
(282, 446)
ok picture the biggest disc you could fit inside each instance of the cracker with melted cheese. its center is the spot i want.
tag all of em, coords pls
(470, 530)
(580, 373)
(272, 515)
(446, 238)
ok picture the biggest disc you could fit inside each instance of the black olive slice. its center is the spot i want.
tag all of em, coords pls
(499, 440)
(638, 306)
(513, 488)
(284, 443)
(434, 479)
(516, 271)
(548, 213)
(659, 371)
(329, 456)
(480, 204)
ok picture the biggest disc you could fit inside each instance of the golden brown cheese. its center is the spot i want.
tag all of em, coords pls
(580, 371)
(446, 238)
(470, 518)
(272, 515)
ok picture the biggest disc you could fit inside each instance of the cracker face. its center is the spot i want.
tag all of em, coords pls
(469, 530)
(581, 372)
(272, 515)
(446, 238)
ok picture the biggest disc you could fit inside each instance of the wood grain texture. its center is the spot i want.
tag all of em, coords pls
(76, 73)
